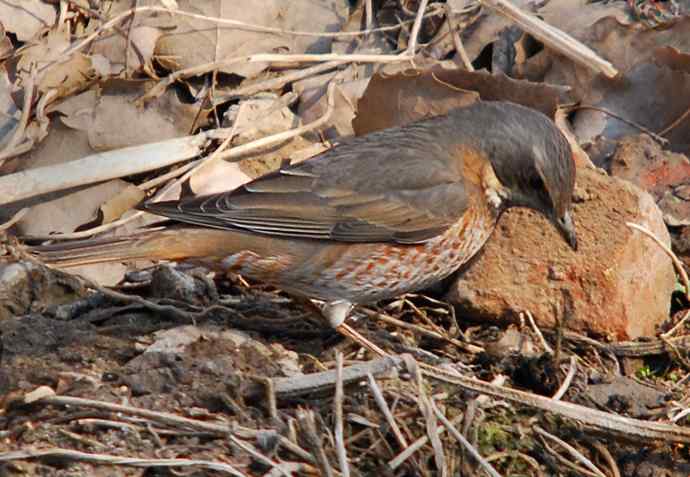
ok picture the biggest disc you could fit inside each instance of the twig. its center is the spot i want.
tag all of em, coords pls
(229, 22)
(234, 153)
(426, 408)
(571, 450)
(307, 426)
(537, 331)
(652, 134)
(316, 58)
(14, 219)
(325, 380)
(601, 420)
(117, 460)
(670, 332)
(385, 410)
(412, 45)
(232, 433)
(418, 444)
(675, 123)
(459, 46)
(338, 404)
(420, 329)
(553, 38)
(464, 442)
(568, 379)
(99, 167)
(680, 269)
(615, 471)
(276, 83)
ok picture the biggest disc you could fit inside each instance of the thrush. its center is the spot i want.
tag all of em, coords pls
(377, 216)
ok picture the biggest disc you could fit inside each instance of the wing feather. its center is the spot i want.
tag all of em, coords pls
(398, 185)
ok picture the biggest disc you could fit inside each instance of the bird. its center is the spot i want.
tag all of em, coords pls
(378, 215)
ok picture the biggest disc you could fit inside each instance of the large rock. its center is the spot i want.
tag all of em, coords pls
(619, 279)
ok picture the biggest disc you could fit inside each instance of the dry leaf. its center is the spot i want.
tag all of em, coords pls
(129, 58)
(26, 18)
(56, 70)
(263, 116)
(113, 120)
(194, 41)
(642, 97)
(68, 212)
(405, 97)
(125, 200)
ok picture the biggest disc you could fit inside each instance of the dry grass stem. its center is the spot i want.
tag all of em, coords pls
(72, 455)
(571, 450)
(420, 329)
(572, 370)
(488, 468)
(673, 330)
(680, 269)
(19, 215)
(385, 410)
(538, 332)
(99, 167)
(417, 445)
(338, 411)
(601, 448)
(412, 46)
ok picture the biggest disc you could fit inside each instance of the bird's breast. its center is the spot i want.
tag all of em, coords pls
(368, 272)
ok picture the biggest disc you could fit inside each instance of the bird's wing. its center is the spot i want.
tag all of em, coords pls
(386, 187)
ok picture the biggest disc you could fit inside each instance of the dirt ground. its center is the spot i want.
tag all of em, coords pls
(214, 371)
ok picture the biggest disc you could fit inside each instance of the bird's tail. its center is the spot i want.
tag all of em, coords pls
(155, 244)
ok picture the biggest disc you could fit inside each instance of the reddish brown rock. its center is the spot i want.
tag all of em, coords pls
(620, 281)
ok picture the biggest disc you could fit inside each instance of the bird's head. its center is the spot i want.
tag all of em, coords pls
(533, 162)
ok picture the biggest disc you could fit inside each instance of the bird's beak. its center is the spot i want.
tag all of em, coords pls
(567, 229)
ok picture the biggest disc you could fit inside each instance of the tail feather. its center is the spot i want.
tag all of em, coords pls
(156, 244)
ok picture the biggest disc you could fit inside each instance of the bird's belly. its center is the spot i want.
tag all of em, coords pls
(364, 273)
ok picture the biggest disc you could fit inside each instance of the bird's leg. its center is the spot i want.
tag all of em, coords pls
(336, 312)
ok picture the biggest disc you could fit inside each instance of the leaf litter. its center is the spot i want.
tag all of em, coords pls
(178, 369)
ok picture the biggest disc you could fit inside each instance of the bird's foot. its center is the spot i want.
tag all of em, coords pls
(336, 312)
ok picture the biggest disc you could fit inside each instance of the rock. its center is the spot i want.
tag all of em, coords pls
(664, 174)
(619, 279)
(26, 287)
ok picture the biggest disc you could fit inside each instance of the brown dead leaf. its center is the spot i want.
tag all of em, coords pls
(195, 41)
(26, 18)
(113, 120)
(118, 122)
(263, 116)
(63, 144)
(219, 176)
(56, 71)
(67, 212)
(125, 200)
(132, 57)
(623, 45)
(641, 97)
(402, 98)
